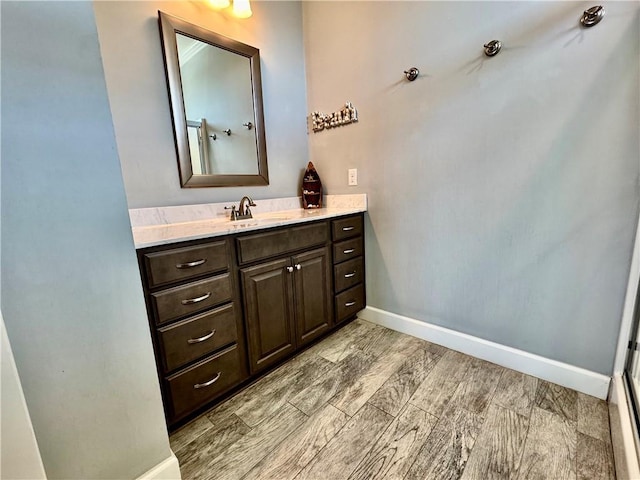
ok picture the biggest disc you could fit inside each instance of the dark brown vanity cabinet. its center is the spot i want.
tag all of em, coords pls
(348, 268)
(225, 309)
(287, 301)
(196, 323)
(268, 305)
(313, 294)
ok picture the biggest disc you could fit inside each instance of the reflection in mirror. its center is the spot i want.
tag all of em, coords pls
(216, 102)
(197, 146)
(206, 71)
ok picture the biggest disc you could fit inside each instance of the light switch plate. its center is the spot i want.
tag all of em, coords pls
(353, 176)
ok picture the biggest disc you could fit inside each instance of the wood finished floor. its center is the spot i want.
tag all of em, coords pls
(368, 402)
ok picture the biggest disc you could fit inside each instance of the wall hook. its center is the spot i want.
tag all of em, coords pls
(412, 73)
(213, 136)
(227, 131)
(249, 125)
(592, 16)
(492, 48)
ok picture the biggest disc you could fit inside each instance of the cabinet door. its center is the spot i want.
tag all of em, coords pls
(268, 300)
(312, 294)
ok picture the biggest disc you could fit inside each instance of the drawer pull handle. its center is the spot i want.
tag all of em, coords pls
(347, 229)
(349, 304)
(348, 251)
(190, 301)
(203, 338)
(210, 382)
(195, 263)
(349, 275)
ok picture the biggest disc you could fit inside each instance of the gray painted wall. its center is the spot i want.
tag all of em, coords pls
(19, 453)
(503, 191)
(134, 70)
(71, 293)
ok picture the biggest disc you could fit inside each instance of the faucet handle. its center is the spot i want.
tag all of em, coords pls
(234, 212)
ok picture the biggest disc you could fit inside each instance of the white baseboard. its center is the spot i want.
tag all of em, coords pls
(576, 378)
(622, 436)
(168, 469)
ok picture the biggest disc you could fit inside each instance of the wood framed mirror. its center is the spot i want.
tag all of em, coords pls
(215, 93)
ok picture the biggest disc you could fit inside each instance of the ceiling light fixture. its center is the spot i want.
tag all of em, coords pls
(242, 8)
(219, 4)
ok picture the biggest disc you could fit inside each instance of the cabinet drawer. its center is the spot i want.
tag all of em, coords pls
(349, 302)
(346, 227)
(279, 242)
(348, 274)
(178, 302)
(347, 250)
(204, 381)
(182, 263)
(185, 341)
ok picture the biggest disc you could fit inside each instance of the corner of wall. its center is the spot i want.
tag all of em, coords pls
(19, 453)
(630, 299)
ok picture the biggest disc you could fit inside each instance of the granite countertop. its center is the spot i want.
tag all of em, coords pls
(166, 225)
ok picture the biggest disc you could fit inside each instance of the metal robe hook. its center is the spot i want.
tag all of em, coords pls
(492, 48)
(412, 73)
(592, 16)
(227, 131)
(249, 125)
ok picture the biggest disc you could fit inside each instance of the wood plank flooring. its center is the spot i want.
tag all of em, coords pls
(371, 403)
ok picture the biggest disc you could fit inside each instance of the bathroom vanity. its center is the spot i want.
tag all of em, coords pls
(242, 298)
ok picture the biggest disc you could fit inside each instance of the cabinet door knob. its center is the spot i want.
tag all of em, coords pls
(210, 382)
(290, 269)
(298, 266)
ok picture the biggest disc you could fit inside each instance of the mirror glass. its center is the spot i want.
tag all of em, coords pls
(216, 102)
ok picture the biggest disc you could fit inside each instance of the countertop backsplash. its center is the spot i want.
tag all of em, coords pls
(165, 225)
(145, 217)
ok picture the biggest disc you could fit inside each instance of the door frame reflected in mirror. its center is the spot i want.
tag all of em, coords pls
(169, 27)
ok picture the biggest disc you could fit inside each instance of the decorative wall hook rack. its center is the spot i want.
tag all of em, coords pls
(412, 73)
(592, 16)
(320, 121)
(492, 48)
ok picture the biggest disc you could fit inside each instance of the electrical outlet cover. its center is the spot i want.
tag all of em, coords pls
(353, 176)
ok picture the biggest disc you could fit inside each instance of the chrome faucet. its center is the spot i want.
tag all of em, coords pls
(243, 212)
